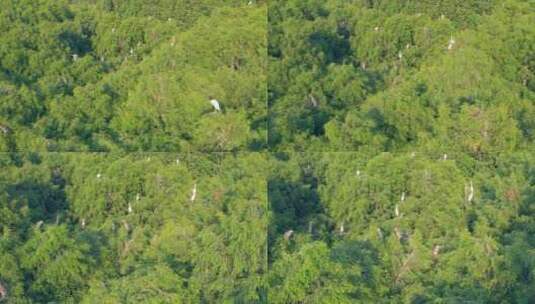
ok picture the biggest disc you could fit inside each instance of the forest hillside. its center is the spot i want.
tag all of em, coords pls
(283, 151)
(132, 75)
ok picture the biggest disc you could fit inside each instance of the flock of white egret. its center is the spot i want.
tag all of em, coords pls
(469, 196)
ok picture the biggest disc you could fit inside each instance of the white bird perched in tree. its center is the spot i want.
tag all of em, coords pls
(379, 233)
(470, 196)
(39, 224)
(126, 226)
(402, 196)
(215, 103)
(451, 43)
(358, 172)
(400, 55)
(129, 208)
(178, 161)
(74, 57)
(313, 101)
(445, 156)
(398, 233)
(193, 193)
(138, 197)
(5, 129)
(342, 230)
(3, 292)
(288, 234)
(99, 175)
(436, 250)
(376, 28)
(83, 223)
(397, 210)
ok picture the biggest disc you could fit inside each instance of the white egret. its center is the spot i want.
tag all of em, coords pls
(342, 230)
(402, 196)
(129, 208)
(3, 292)
(99, 175)
(83, 223)
(451, 43)
(74, 57)
(193, 193)
(398, 233)
(436, 250)
(470, 192)
(313, 100)
(397, 210)
(126, 226)
(215, 103)
(288, 234)
(138, 197)
(5, 129)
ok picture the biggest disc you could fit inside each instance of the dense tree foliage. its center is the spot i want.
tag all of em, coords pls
(401, 228)
(132, 75)
(158, 228)
(391, 75)
(416, 120)
(224, 151)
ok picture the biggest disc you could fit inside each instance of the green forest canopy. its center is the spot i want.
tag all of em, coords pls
(395, 76)
(391, 160)
(401, 228)
(132, 75)
(136, 228)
